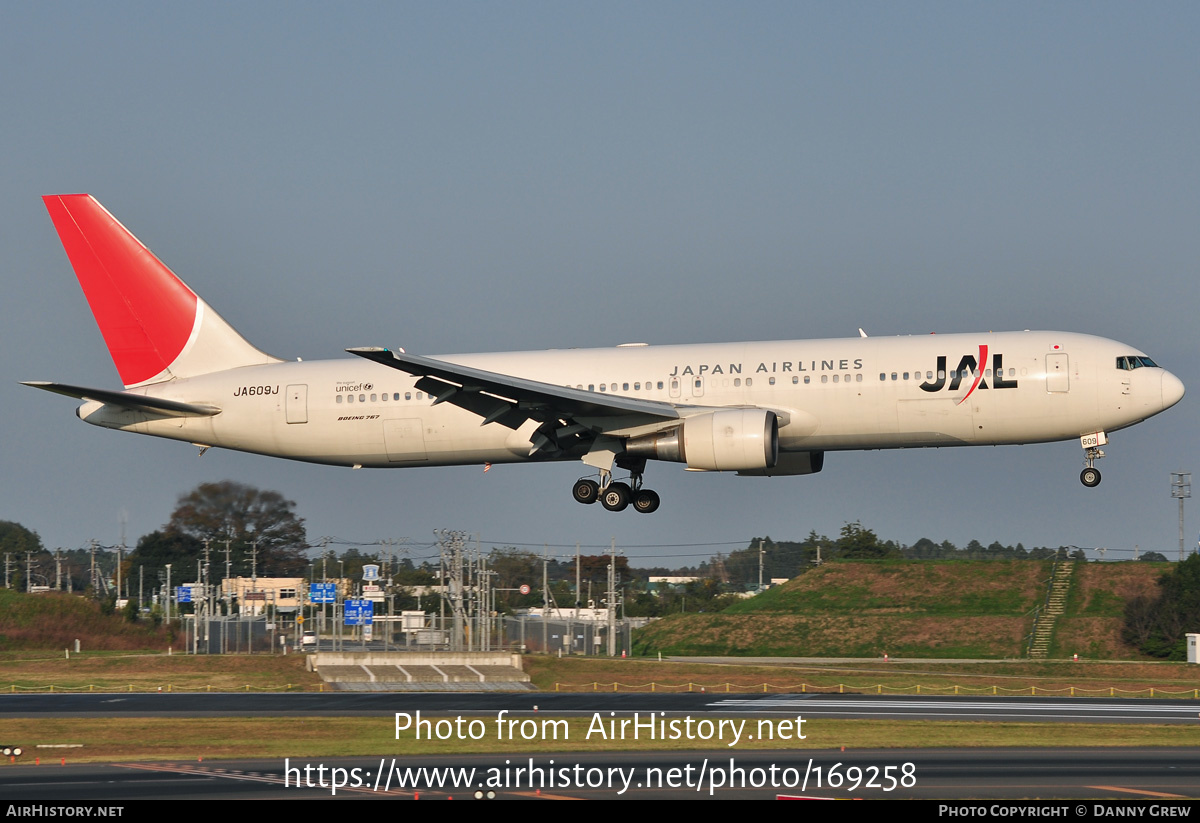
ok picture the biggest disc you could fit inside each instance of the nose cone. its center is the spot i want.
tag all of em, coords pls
(1172, 390)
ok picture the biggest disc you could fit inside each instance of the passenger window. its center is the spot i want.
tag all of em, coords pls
(660, 385)
(858, 377)
(637, 386)
(807, 380)
(349, 398)
(418, 395)
(835, 378)
(697, 382)
(941, 374)
(906, 375)
(737, 381)
(374, 398)
(749, 381)
(624, 387)
(882, 376)
(771, 380)
(408, 395)
(894, 375)
(602, 387)
(795, 379)
(396, 396)
(339, 398)
(362, 398)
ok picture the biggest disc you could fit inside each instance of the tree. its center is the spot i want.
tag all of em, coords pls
(155, 550)
(16, 539)
(250, 519)
(860, 543)
(1158, 625)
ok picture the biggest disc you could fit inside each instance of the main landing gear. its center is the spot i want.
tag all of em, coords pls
(1090, 476)
(616, 496)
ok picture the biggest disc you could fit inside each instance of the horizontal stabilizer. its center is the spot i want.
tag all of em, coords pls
(128, 400)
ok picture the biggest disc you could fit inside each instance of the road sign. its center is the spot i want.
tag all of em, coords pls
(322, 593)
(359, 612)
(525, 588)
(183, 594)
(370, 572)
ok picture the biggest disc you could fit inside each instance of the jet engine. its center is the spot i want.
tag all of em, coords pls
(726, 440)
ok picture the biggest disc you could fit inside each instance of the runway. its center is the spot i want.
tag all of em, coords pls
(1145, 775)
(995, 709)
(1150, 774)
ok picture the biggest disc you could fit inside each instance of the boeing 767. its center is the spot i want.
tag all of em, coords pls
(758, 409)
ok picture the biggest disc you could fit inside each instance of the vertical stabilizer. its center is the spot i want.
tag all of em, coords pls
(155, 327)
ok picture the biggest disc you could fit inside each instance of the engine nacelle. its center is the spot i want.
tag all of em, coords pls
(790, 463)
(726, 440)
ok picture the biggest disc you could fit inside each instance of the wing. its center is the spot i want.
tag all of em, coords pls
(569, 417)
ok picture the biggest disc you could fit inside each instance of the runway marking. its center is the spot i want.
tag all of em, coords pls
(545, 796)
(1138, 791)
(201, 771)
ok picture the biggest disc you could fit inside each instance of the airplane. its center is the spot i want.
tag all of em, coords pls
(756, 408)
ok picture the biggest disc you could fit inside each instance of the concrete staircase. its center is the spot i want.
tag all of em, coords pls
(1052, 609)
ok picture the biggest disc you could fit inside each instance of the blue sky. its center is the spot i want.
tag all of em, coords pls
(480, 177)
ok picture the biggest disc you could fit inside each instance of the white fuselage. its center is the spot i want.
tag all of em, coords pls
(857, 393)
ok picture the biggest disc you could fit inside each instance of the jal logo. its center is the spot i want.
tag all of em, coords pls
(971, 367)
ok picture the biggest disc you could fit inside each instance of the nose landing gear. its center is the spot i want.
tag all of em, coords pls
(1091, 443)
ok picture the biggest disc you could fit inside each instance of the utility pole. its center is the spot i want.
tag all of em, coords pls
(1181, 489)
(612, 599)
(227, 586)
(167, 599)
(760, 565)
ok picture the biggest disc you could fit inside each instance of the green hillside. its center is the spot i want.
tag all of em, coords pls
(911, 608)
(55, 621)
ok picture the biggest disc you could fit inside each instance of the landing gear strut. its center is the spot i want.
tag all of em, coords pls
(616, 495)
(1090, 476)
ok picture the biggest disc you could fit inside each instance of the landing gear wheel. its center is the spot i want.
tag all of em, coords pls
(645, 501)
(616, 497)
(1090, 477)
(586, 491)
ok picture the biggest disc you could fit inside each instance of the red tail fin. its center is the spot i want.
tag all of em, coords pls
(156, 328)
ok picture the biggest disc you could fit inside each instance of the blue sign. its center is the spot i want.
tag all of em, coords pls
(322, 593)
(359, 612)
(183, 594)
(370, 572)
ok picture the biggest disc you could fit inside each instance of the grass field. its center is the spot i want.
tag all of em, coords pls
(139, 738)
(176, 739)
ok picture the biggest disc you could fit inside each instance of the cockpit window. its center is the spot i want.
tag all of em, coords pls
(1134, 361)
